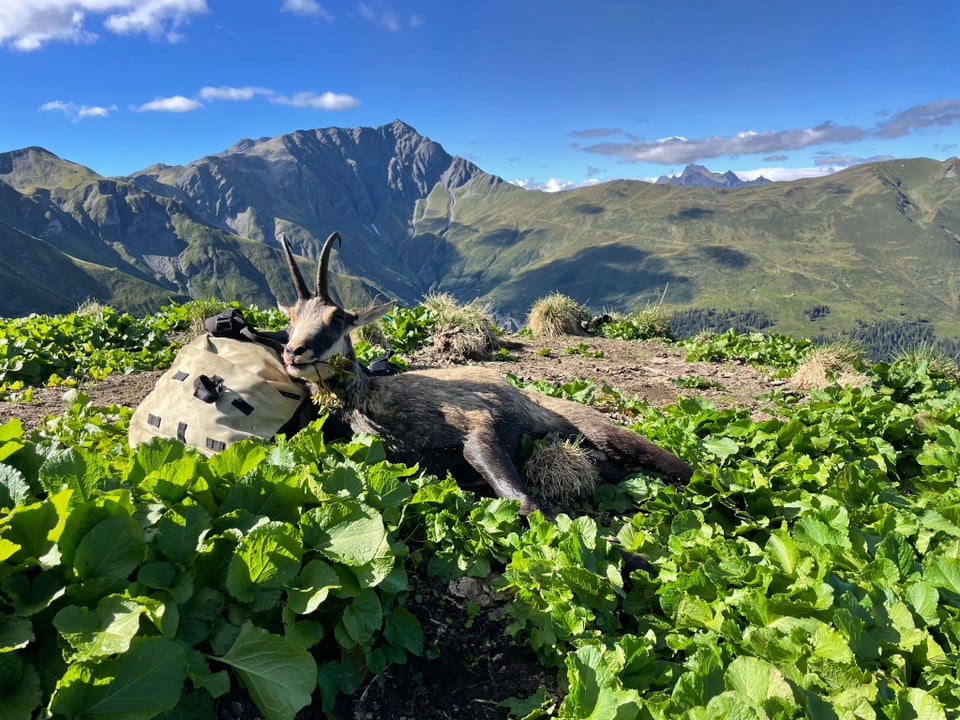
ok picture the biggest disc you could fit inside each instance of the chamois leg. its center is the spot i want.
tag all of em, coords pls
(630, 449)
(483, 451)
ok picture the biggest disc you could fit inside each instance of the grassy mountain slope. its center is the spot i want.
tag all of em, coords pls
(877, 241)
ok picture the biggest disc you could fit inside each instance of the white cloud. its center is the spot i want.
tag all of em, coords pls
(677, 150)
(176, 104)
(30, 24)
(681, 150)
(381, 15)
(232, 93)
(323, 101)
(781, 174)
(306, 8)
(553, 184)
(77, 112)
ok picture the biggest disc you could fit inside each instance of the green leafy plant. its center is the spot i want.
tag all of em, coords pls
(809, 569)
(584, 350)
(652, 322)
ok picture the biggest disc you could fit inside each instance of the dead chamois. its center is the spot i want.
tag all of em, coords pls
(452, 419)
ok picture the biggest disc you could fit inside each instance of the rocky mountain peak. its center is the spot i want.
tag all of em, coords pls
(700, 176)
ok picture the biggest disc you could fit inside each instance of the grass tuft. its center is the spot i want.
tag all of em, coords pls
(838, 363)
(462, 331)
(556, 314)
(563, 470)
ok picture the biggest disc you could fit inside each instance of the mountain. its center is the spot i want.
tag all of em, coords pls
(699, 176)
(875, 242)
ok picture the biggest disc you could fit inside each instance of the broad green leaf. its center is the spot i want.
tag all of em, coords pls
(14, 490)
(944, 572)
(15, 633)
(721, 447)
(311, 587)
(345, 531)
(141, 683)
(238, 460)
(924, 599)
(267, 557)
(28, 527)
(917, 704)
(595, 693)
(361, 619)
(402, 629)
(279, 675)
(758, 681)
(108, 630)
(179, 532)
(111, 550)
(76, 469)
(783, 550)
(19, 688)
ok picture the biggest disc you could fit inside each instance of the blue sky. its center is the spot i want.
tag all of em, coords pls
(547, 94)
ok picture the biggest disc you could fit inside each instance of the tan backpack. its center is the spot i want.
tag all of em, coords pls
(218, 391)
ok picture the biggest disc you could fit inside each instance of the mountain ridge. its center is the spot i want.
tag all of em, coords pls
(700, 176)
(875, 241)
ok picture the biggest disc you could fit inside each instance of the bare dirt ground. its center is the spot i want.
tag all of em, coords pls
(477, 665)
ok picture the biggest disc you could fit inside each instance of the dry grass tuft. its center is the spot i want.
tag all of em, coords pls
(462, 332)
(563, 470)
(837, 363)
(556, 314)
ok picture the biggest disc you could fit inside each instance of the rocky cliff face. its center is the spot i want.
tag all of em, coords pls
(307, 183)
(161, 221)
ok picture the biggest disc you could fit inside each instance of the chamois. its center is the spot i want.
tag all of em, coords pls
(452, 419)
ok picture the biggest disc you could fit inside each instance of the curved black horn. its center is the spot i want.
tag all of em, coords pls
(302, 292)
(322, 290)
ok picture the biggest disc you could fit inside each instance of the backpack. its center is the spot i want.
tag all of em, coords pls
(224, 386)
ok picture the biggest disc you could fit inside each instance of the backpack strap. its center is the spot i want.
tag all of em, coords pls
(231, 323)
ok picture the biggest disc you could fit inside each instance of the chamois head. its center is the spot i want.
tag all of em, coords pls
(320, 329)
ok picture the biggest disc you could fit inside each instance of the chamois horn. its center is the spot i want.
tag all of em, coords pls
(302, 292)
(322, 291)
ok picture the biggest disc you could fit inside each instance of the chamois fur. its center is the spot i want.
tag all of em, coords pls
(451, 419)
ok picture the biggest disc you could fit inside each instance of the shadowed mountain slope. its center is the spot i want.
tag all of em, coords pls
(879, 241)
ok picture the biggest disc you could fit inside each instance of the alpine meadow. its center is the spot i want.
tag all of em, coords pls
(793, 343)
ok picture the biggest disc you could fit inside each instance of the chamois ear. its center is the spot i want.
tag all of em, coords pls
(359, 318)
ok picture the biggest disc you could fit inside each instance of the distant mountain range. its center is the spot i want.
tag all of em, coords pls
(879, 241)
(699, 176)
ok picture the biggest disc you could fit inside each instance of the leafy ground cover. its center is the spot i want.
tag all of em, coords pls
(810, 569)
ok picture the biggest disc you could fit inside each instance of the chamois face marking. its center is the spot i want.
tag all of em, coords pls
(317, 332)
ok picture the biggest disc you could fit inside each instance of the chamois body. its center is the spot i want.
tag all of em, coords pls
(452, 418)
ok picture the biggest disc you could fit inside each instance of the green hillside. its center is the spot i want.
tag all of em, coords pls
(878, 241)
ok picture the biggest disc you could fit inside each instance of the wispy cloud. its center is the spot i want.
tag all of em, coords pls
(232, 93)
(174, 104)
(321, 101)
(306, 8)
(681, 150)
(385, 17)
(596, 132)
(29, 25)
(678, 149)
(834, 160)
(77, 112)
(941, 112)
